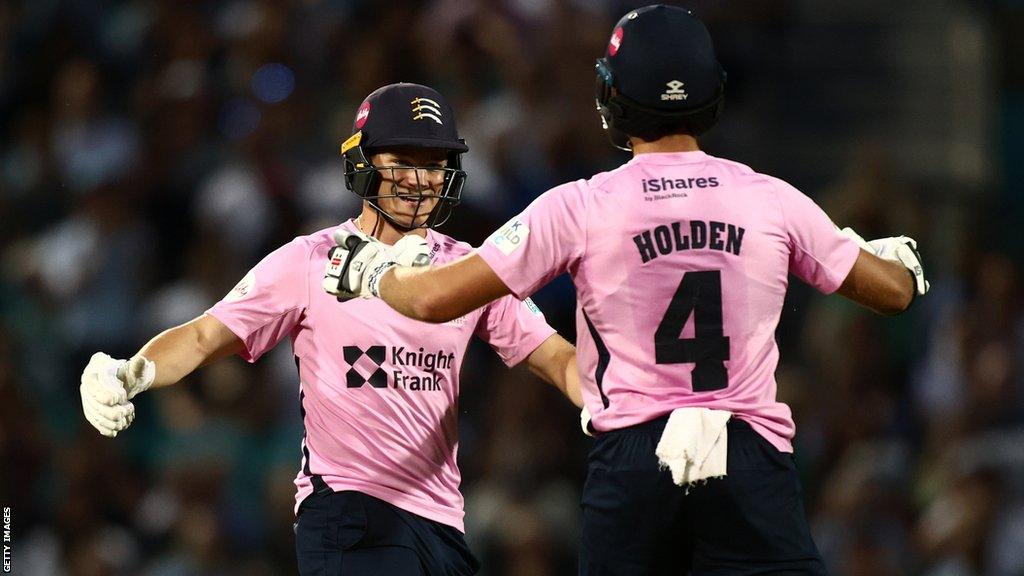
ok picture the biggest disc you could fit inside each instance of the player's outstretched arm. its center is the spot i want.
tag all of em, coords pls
(887, 275)
(881, 285)
(441, 293)
(362, 267)
(178, 351)
(555, 362)
(109, 384)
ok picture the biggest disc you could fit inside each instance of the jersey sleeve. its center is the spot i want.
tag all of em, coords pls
(269, 301)
(542, 242)
(819, 254)
(514, 328)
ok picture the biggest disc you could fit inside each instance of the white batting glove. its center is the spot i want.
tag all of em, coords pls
(358, 262)
(850, 233)
(903, 249)
(136, 374)
(104, 399)
(108, 385)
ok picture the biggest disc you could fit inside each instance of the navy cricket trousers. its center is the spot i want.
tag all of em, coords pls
(636, 521)
(352, 534)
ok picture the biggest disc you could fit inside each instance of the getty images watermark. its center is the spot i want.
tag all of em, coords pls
(7, 540)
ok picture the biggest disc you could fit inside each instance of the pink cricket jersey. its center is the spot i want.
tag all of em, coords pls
(379, 392)
(681, 264)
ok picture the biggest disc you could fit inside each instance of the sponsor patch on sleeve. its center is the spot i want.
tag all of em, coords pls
(242, 289)
(533, 308)
(510, 237)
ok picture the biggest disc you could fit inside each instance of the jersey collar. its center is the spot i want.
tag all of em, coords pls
(350, 225)
(667, 158)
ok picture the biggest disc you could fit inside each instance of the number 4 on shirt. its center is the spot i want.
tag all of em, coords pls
(699, 293)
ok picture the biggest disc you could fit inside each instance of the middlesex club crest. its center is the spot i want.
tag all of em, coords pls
(426, 109)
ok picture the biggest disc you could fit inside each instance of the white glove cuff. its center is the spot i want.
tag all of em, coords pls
(373, 278)
(852, 235)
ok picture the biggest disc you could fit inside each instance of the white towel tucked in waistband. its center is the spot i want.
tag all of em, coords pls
(585, 421)
(694, 445)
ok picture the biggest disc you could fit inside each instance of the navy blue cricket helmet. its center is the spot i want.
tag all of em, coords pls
(659, 75)
(406, 115)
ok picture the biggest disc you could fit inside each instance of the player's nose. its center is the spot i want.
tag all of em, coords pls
(414, 179)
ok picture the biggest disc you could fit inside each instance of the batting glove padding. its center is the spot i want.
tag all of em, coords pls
(104, 398)
(136, 374)
(903, 249)
(356, 265)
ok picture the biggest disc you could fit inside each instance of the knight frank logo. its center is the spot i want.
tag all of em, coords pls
(397, 367)
(365, 362)
(423, 108)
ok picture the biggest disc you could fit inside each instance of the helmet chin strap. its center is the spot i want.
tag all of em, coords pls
(404, 228)
(618, 138)
(378, 223)
(381, 215)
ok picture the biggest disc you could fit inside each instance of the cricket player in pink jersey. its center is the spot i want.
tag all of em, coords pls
(681, 263)
(378, 486)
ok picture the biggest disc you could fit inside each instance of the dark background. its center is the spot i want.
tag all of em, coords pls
(151, 151)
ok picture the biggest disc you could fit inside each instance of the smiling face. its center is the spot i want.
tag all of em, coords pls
(411, 181)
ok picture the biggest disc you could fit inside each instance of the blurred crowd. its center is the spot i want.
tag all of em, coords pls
(151, 151)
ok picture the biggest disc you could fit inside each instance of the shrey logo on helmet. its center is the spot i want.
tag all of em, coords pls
(426, 108)
(675, 91)
(666, 80)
